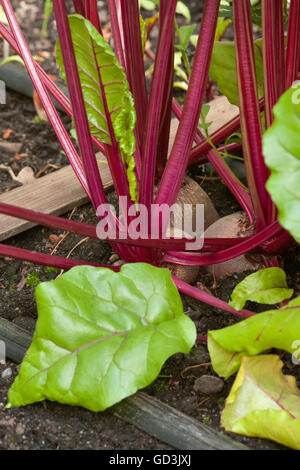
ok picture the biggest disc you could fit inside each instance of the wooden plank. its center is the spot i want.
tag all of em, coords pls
(56, 194)
(147, 413)
(16, 340)
(171, 426)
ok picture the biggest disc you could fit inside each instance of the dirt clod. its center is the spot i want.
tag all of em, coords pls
(208, 384)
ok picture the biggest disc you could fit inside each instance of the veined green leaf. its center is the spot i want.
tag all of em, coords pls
(281, 147)
(267, 286)
(106, 93)
(263, 402)
(100, 336)
(272, 329)
(223, 69)
(185, 33)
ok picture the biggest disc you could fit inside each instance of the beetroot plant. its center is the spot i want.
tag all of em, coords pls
(133, 320)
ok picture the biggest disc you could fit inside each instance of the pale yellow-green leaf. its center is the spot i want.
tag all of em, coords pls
(263, 402)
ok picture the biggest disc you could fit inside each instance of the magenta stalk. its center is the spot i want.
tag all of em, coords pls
(293, 43)
(156, 104)
(134, 62)
(246, 246)
(176, 166)
(185, 288)
(98, 196)
(46, 260)
(250, 116)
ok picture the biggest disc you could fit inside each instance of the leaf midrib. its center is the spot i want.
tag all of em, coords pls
(282, 407)
(70, 353)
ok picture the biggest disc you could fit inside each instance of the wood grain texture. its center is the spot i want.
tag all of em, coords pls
(56, 194)
(171, 426)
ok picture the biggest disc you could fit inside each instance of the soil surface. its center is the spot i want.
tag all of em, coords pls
(50, 425)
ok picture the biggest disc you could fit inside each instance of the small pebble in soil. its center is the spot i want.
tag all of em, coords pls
(113, 258)
(208, 384)
(6, 373)
(20, 429)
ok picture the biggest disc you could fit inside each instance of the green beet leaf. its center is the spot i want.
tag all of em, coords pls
(226, 11)
(108, 101)
(147, 4)
(223, 69)
(263, 402)
(281, 147)
(185, 33)
(267, 286)
(272, 329)
(100, 336)
(222, 27)
(182, 9)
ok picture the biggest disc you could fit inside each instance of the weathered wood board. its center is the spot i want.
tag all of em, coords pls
(56, 194)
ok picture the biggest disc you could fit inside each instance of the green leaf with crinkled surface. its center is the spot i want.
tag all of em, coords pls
(267, 286)
(223, 69)
(272, 329)
(100, 336)
(281, 148)
(108, 101)
(263, 402)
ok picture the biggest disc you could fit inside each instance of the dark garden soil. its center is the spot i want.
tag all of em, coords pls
(50, 425)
